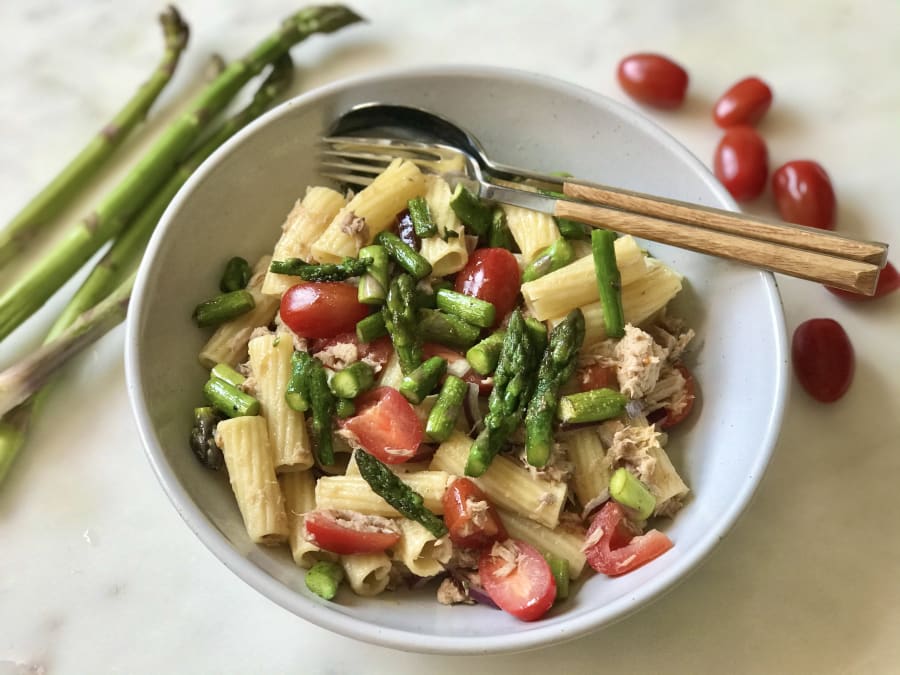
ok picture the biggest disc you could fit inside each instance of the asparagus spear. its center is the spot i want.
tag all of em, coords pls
(442, 418)
(591, 406)
(446, 329)
(556, 256)
(374, 283)
(513, 384)
(609, 282)
(420, 382)
(224, 307)
(322, 402)
(228, 399)
(126, 250)
(473, 310)
(371, 328)
(63, 189)
(203, 441)
(297, 391)
(236, 275)
(423, 223)
(83, 240)
(347, 268)
(557, 366)
(353, 380)
(398, 494)
(404, 254)
(399, 313)
(483, 357)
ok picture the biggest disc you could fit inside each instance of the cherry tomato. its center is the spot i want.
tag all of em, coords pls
(888, 282)
(386, 425)
(492, 274)
(597, 376)
(621, 547)
(346, 533)
(672, 418)
(741, 163)
(803, 194)
(322, 310)
(452, 357)
(744, 103)
(527, 589)
(378, 351)
(471, 518)
(653, 79)
(823, 359)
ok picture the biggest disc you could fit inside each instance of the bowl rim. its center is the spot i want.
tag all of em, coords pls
(359, 629)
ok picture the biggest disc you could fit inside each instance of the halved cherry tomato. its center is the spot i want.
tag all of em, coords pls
(527, 589)
(672, 418)
(804, 195)
(485, 384)
(597, 376)
(741, 163)
(621, 547)
(888, 282)
(347, 534)
(322, 310)
(492, 274)
(386, 425)
(823, 359)
(378, 351)
(472, 520)
(653, 79)
(744, 103)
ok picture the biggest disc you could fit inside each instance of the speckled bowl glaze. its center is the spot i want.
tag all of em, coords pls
(235, 204)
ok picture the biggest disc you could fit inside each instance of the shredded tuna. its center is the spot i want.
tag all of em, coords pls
(640, 361)
(338, 356)
(509, 555)
(631, 448)
(356, 227)
(558, 468)
(592, 540)
(478, 510)
(453, 592)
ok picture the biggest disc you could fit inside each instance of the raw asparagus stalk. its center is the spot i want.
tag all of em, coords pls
(513, 384)
(398, 494)
(346, 269)
(297, 392)
(443, 416)
(404, 254)
(353, 380)
(126, 250)
(371, 328)
(420, 382)
(472, 310)
(203, 441)
(591, 406)
(475, 214)
(423, 223)
(236, 275)
(63, 189)
(228, 399)
(557, 366)
(609, 281)
(373, 285)
(446, 329)
(322, 402)
(128, 247)
(556, 256)
(400, 318)
(500, 236)
(483, 357)
(82, 241)
(23, 379)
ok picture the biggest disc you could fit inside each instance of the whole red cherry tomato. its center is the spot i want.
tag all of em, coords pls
(888, 282)
(322, 310)
(803, 194)
(653, 79)
(492, 274)
(744, 103)
(741, 163)
(823, 358)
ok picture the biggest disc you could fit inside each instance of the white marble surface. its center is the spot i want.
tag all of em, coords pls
(99, 575)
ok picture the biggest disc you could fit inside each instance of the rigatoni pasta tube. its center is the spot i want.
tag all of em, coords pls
(590, 478)
(446, 251)
(562, 541)
(270, 364)
(304, 225)
(506, 483)
(245, 445)
(533, 231)
(371, 211)
(575, 285)
(229, 343)
(299, 490)
(352, 493)
(367, 573)
(423, 554)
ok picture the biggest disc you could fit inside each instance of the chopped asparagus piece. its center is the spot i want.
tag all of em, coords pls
(626, 489)
(346, 269)
(236, 275)
(324, 578)
(443, 416)
(501, 237)
(560, 570)
(423, 223)
(591, 406)
(225, 372)
(404, 254)
(353, 380)
(556, 256)
(373, 286)
(475, 215)
(322, 402)
(223, 308)
(472, 310)
(422, 381)
(399, 314)
(483, 357)
(296, 394)
(203, 438)
(371, 328)
(229, 399)
(344, 407)
(609, 282)
(446, 329)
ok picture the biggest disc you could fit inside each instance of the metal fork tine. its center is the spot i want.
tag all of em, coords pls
(381, 146)
(348, 178)
(353, 167)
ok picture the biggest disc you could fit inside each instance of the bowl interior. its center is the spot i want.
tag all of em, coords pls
(235, 205)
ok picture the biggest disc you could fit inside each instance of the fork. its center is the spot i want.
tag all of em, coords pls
(794, 250)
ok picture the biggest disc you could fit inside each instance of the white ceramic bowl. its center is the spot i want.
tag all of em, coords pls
(235, 204)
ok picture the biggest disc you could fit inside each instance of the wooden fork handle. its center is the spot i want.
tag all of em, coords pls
(851, 275)
(808, 238)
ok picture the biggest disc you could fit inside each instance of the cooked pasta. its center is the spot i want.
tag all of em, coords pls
(423, 554)
(352, 493)
(299, 490)
(367, 573)
(532, 230)
(446, 251)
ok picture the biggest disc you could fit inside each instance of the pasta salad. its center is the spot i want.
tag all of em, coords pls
(417, 385)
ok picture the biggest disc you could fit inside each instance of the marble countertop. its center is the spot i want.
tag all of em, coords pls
(99, 575)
